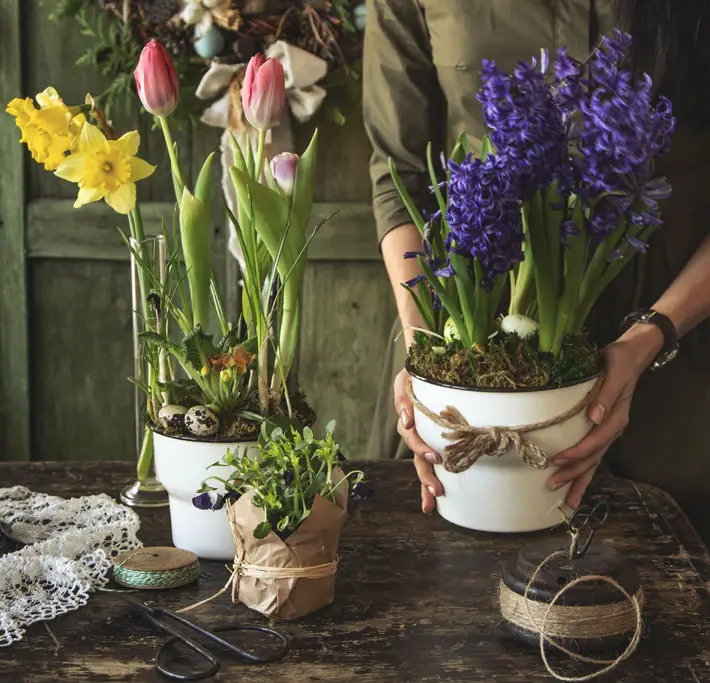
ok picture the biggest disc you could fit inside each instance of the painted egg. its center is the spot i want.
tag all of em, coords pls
(359, 17)
(192, 13)
(450, 331)
(520, 325)
(201, 421)
(172, 417)
(211, 44)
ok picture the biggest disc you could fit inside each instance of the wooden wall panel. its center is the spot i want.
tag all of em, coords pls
(82, 403)
(14, 367)
(348, 313)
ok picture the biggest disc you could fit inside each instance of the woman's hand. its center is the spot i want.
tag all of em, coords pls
(626, 359)
(424, 457)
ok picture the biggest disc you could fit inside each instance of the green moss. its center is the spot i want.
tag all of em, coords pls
(508, 363)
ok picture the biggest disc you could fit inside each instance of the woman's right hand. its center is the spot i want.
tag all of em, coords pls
(424, 457)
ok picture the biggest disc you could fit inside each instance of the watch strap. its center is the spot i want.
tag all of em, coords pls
(650, 316)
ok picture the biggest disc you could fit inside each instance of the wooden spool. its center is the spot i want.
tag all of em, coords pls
(156, 568)
(599, 559)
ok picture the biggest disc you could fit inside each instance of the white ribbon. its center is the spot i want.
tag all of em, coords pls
(302, 70)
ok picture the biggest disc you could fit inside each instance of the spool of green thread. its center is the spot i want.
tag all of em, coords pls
(155, 568)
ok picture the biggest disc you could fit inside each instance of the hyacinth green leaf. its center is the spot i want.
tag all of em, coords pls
(414, 212)
(448, 303)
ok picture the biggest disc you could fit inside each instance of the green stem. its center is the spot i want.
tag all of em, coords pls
(145, 460)
(522, 287)
(178, 183)
(546, 296)
(479, 337)
(259, 155)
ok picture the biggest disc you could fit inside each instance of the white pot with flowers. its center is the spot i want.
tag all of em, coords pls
(560, 200)
(207, 391)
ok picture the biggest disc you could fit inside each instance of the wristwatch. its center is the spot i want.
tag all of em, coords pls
(670, 335)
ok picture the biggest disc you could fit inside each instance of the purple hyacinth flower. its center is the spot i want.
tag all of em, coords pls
(361, 491)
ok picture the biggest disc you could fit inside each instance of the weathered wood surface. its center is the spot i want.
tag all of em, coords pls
(74, 282)
(415, 597)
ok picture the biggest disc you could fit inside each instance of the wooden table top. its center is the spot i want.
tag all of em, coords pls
(415, 597)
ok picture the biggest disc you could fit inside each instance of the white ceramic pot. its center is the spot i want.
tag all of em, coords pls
(503, 494)
(181, 466)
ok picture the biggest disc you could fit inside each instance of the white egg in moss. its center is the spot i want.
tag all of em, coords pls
(210, 44)
(212, 4)
(172, 417)
(520, 325)
(450, 331)
(201, 421)
(192, 13)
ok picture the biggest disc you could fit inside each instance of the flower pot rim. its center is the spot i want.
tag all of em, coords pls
(197, 439)
(497, 390)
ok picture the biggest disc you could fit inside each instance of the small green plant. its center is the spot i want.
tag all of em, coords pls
(292, 467)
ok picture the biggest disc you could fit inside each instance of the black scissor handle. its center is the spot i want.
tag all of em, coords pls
(255, 659)
(590, 520)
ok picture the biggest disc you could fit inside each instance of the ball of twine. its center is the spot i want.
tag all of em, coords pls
(550, 620)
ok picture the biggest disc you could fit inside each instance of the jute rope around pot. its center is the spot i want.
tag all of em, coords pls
(469, 443)
(259, 571)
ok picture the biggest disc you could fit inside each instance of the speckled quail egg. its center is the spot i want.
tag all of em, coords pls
(172, 417)
(201, 421)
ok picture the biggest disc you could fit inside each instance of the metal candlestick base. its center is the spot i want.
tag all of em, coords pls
(145, 494)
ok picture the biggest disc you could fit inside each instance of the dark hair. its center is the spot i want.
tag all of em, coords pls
(671, 42)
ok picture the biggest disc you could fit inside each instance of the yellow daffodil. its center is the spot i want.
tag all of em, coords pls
(49, 132)
(106, 169)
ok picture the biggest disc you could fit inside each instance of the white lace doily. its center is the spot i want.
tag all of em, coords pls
(71, 543)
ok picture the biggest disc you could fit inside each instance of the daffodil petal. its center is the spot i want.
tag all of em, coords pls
(91, 140)
(49, 97)
(140, 169)
(71, 169)
(123, 200)
(129, 143)
(87, 195)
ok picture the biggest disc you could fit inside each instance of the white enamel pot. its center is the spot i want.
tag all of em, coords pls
(181, 467)
(503, 494)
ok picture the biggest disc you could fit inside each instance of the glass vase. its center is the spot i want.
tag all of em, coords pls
(146, 491)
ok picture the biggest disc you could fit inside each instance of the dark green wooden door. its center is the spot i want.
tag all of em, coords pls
(65, 312)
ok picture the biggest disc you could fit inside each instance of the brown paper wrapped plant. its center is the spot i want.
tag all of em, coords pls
(287, 508)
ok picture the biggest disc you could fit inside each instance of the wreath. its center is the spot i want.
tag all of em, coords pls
(204, 34)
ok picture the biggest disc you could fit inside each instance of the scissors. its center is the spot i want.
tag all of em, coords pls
(159, 618)
(587, 518)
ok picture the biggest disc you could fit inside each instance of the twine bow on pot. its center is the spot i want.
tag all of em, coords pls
(468, 443)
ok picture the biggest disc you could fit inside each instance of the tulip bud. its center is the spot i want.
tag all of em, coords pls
(283, 168)
(263, 92)
(156, 80)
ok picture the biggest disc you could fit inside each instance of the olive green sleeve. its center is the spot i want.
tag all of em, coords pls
(403, 106)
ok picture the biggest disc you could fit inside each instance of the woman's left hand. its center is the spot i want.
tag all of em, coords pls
(626, 359)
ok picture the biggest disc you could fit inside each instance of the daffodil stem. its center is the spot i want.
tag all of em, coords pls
(178, 183)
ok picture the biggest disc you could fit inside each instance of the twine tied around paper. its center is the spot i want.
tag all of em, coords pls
(468, 444)
(243, 568)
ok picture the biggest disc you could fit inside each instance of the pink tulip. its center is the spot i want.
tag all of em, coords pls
(263, 92)
(283, 168)
(156, 80)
